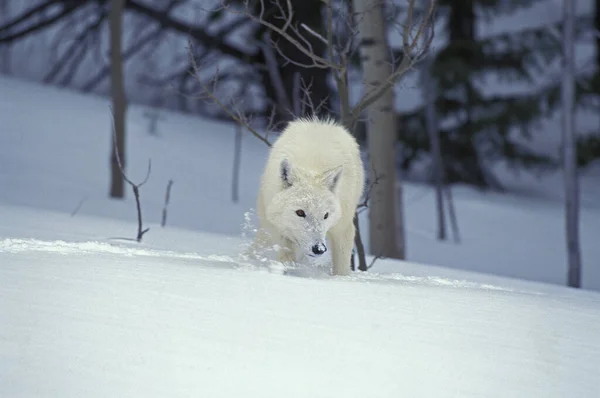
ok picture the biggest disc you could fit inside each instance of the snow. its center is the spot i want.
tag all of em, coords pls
(87, 311)
(84, 314)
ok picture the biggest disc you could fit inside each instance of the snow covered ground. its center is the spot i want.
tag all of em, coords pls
(84, 311)
(85, 314)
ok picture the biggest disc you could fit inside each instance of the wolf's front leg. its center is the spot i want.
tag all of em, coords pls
(342, 242)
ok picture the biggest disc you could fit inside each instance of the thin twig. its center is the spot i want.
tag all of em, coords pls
(81, 202)
(134, 187)
(365, 203)
(163, 221)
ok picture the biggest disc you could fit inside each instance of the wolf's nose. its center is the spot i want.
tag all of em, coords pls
(319, 249)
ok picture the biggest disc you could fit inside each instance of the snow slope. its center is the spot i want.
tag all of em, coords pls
(54, 151)
(83, 314)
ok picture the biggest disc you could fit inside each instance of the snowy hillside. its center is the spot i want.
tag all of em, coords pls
(85, 311)
(83, 314)
(54, 154)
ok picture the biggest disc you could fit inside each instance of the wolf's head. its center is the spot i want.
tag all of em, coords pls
(306, 208)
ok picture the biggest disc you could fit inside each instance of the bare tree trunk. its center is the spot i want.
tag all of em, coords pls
(597, 27)
(384, 238)
(452, 213)
(235, 180)
(570, 155)
(117, 186)
(5, 48)
(437, 163)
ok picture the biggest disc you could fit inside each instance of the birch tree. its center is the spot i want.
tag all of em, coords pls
(569, 147)
(117, 157)
(385, 208)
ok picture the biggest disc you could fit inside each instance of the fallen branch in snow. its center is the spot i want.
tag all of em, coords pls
(135, 187)
(163, 221)
(76, 210)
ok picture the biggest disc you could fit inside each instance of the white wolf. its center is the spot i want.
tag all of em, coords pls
(310, 188)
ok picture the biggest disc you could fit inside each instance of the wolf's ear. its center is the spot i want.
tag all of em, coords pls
(286, 173)
(332, 177)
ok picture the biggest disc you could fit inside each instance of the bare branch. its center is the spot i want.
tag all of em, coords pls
(315, 34)
(78, 41)
(208, 92)
(365, 203)
(45, 23)
(163, 221)
(75, 63)
(134, 187)
(285, 32)
(271, 122)
(307, 100)
(28, 14)
(147, 174)
(128, 53)
(196, 32)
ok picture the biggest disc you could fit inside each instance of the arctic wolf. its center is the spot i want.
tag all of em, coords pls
(310, 188)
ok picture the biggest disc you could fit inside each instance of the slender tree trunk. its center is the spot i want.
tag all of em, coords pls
(597, 27)
(452, 213)
(384, 237)
(5, 48)
(437, 163)
(117, 185)
(570, 155)
(237, 154)
(350, 124)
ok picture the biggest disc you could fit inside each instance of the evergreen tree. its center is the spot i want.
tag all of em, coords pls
(588, 145)
(477, 127)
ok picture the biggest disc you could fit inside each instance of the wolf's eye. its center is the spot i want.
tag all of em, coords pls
(326, 215)
(300, 213)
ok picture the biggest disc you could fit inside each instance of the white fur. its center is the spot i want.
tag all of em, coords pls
(323, 174)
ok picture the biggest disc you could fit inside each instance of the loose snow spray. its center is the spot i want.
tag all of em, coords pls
(264, 257)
